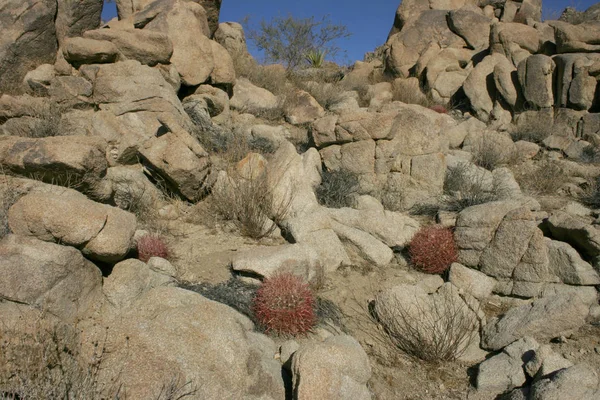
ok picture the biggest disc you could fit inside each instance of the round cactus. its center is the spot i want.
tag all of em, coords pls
(285, 304)
(149, 246)
(433, 249)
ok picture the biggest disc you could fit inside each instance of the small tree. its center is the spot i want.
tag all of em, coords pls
(288, 40)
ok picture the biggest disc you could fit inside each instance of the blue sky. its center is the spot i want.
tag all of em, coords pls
(368, 21)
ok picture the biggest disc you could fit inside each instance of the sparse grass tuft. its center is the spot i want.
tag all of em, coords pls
(336, 188)
(249, 203)
(545, 178)
(438, 328)
(591, 194)
(8, 196)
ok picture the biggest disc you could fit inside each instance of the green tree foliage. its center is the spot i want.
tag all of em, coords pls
(289, 40)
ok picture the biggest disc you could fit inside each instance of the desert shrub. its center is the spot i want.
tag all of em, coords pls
(591, 193)
(235, 293)
(45, 361)
(249, 203)
(284, 304)
(326, 94)
(590, 154)
(152, 245)
(545, 178)
(533, 133)
(490, 156)
(288, 40)
(439, 328)
(8, 197)
(42, 120)
(433, 249)
(262, 145)
(336, 188)
(465, 187)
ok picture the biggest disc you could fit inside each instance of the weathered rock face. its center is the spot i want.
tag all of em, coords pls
(59, 159)
(180, 161)
(28, 39)
(146, 46)
(545, 318)
(147, 345)
(132, 88)
(213, 8)
(101, 232)
(50, 276)
(410, 43)
(74, 18)
(337, 368)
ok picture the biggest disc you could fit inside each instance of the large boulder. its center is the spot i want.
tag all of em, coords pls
(78, 51)
(28, 38)
(405, 47)
(337, 368)
(56, 278)
(579, 382)
(60, 159)
(582, 38)
(133, 90)
(231, 36)
(472, 26)
(535, 76)
(170, 333)
(146, 46)
(250, 98)
(544, 318)
(101, 232)
(74, 18)
(179, 160)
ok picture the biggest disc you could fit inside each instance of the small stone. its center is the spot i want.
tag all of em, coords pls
(597, 349)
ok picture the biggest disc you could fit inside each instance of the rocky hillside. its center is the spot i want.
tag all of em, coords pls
(179, 221)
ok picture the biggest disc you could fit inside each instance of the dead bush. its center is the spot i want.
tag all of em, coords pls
(44, 361)
(591, 193)
(42, 120)
(249, 203)
(533, 133)
(545, 178)
(466, 186)
(8, 196)
(438, 328)
(336, 188)
(490, 155)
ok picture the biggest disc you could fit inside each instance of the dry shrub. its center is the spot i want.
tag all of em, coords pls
(591, 193)
(433, 249)
(336, 188)
(545, 178)
(465, 187)
(439, 328)
(490, 156)
(8, 196)
(284, 304)
(45, 363)
(42, 120)
(249, 203)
